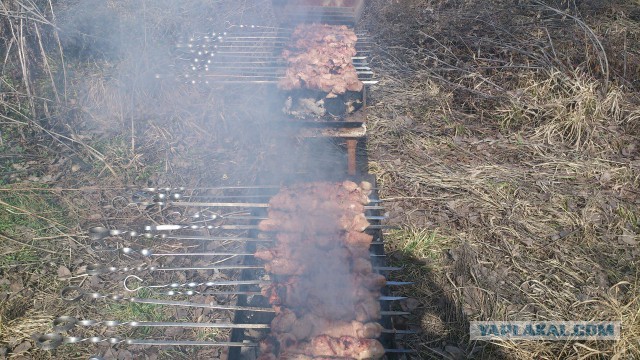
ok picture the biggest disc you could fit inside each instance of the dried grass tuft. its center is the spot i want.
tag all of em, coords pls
(500, 129)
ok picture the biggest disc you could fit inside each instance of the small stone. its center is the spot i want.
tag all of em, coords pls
(75, 167)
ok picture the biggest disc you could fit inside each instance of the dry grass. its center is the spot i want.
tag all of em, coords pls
(494, 128)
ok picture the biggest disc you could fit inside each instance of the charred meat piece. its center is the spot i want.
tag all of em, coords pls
(311, 325)
(346, 346)
(359, 239)
(321, 222)
(326, 292)
(319, 58)
(317, 197)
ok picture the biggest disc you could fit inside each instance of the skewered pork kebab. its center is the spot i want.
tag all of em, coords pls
(325, 292)
(319, 57)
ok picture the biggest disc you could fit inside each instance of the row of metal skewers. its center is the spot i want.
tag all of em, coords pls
(210, 210)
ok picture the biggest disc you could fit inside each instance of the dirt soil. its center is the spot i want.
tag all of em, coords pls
(503, 135)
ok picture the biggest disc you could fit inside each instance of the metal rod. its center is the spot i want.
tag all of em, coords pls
(399, 332)
(237, 204)
(149, 231)
(394, 313)
(231, 65)
(66, 323)
(239, 217)
(67, 296)
(213, 238)
(182, 188)
(206, 306)
(198, 254)
(75, 293)
(99, 232)
(215, 293)
(150, 253)
(399, 351)
(176, 195)
(253, 72)
(223, 81)
(399, 283)
(53, 341)
(99, 269)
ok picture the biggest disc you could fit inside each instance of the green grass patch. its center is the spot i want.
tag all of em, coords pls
(418, 243)
(130, 311)
(630, 216)
(24, 256)
(34, 212)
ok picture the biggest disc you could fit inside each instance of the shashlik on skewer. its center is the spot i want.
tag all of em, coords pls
(325, 291)
(319, 57)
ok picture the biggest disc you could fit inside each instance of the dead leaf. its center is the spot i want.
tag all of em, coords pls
(456, 352)
(409, 304)
(125, 355)
(629, 149)
(80, 270)
(628, 237)
(63, 272)
(24, 346)
(95, 216)
(16, 285)
(527, 241)
(110, 354)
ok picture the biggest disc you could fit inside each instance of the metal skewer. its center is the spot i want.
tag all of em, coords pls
(67, 292)
(175, 195)
(183, 188)
(190, 284)
(373, 218)
(149, 231)
(232, 204)
(150, 253)
(211, 305)
(53, 341)
(223, 81)
(98, 269)
(66, 323)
